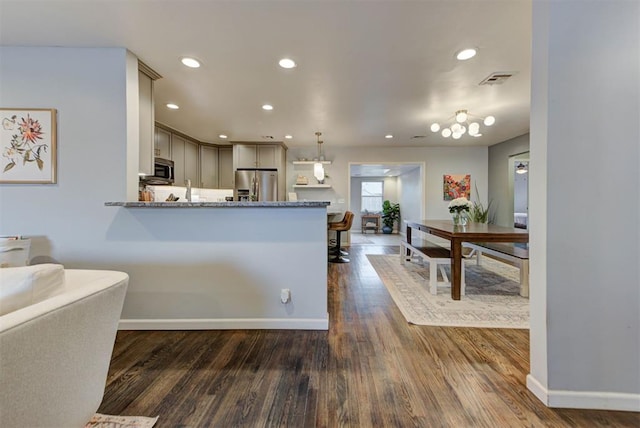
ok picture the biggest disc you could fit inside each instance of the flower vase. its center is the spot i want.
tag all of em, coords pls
(459, 218)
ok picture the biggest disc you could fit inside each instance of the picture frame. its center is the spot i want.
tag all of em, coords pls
(455, 186)
(28, 146)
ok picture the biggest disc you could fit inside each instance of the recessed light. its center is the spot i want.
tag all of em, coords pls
(466, 54)
(173, 106)
(190, 62)
(287, 63)
(388, 136)
(222, 136)
(267, 107)
(288, 137)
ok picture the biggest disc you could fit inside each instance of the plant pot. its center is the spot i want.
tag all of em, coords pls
(387, 229)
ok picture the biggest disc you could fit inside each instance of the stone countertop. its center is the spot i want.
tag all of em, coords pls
(232, 204)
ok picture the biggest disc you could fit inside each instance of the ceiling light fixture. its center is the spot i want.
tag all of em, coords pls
(388, 136)
(190, 62)
(466, 54)
(267, 107)
(173, 106)
(318, 169)
(288, 137)
(223, 136)
(287, 63)
(463, 124)
(522, 168)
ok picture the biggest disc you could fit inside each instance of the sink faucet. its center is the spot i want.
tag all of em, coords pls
(188, 194)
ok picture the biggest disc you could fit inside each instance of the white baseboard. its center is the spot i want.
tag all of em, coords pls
(225, 324)
(584, 399)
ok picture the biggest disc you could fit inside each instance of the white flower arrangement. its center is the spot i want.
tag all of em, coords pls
(459, 205)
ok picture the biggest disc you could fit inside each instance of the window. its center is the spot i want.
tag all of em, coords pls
(371, 196)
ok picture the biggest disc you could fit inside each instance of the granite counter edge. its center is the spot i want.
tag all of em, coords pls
(232, 204)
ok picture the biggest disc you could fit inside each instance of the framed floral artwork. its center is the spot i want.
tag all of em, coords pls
(28, 144)
(456, 186)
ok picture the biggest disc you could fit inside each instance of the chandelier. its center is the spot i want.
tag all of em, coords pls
(464, 122)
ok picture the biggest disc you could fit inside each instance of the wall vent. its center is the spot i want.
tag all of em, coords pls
(497, 78)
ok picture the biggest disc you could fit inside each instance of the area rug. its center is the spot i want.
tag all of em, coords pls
(492, 298)
(108, 421)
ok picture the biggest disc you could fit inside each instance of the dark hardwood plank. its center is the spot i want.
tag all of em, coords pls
(371, 369)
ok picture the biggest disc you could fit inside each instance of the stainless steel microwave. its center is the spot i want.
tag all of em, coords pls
(163, 173)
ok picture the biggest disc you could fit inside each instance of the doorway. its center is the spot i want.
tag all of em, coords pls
(401, 182)
(519, 177)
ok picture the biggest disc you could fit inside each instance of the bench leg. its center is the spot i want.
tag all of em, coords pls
(524, 278)
(463, 282)
(433, 277)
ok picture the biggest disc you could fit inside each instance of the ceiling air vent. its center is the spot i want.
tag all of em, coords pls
(497, 78)
(418, 136)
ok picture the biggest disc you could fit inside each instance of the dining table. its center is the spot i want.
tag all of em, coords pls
(457, 234)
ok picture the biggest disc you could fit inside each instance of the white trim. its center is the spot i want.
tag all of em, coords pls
(225, 324)
(584, 399)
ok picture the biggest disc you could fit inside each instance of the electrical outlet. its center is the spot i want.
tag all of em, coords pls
(285, 295)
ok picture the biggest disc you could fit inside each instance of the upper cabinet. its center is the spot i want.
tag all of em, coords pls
(225, 167)
(184, 154)
(162, 148)
(257, 155)
(208, 167)
(146, 77)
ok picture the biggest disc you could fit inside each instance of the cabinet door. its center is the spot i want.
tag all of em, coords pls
(245, 156)
(191, 161)
(145, 117)
(177, 156)
(225, 168)
(208, 167)
(162, 143)
(266, 156)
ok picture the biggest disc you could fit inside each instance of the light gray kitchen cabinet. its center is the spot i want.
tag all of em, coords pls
(185, 156)
(162, 141)
(256, 155)
(146, 77)
(208, 167)
(225, 167)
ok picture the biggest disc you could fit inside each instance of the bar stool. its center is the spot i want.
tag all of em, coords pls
(334, 250)
(339, 227)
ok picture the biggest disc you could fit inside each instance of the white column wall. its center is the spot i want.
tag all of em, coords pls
(586, 351)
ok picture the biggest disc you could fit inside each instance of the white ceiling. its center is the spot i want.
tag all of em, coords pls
(365, 68)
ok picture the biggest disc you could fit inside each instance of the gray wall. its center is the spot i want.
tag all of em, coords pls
(437, 160)
(585, 294)
(501, 178)
(410, 190)
(210, 268)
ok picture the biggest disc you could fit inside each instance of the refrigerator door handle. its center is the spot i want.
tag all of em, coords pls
(254, 188)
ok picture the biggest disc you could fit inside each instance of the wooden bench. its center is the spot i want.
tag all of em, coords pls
(437, 257)
(506, 251)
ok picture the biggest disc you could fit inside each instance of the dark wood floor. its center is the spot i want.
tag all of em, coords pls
(371, 369)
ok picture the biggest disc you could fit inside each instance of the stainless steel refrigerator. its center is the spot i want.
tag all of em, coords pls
(256, 185)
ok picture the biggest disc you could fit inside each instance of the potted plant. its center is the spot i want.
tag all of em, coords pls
(390, 214)
(478, 212)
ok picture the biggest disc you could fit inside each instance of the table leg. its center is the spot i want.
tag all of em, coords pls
(456, 268)
(408, 236)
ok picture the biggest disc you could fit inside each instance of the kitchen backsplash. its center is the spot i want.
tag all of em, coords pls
(161, 193)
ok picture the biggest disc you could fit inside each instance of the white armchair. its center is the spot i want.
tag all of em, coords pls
(55, 353)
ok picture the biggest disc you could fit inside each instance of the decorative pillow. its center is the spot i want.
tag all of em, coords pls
(26, 285)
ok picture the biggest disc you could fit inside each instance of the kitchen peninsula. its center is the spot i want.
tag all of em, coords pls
(223, 265)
